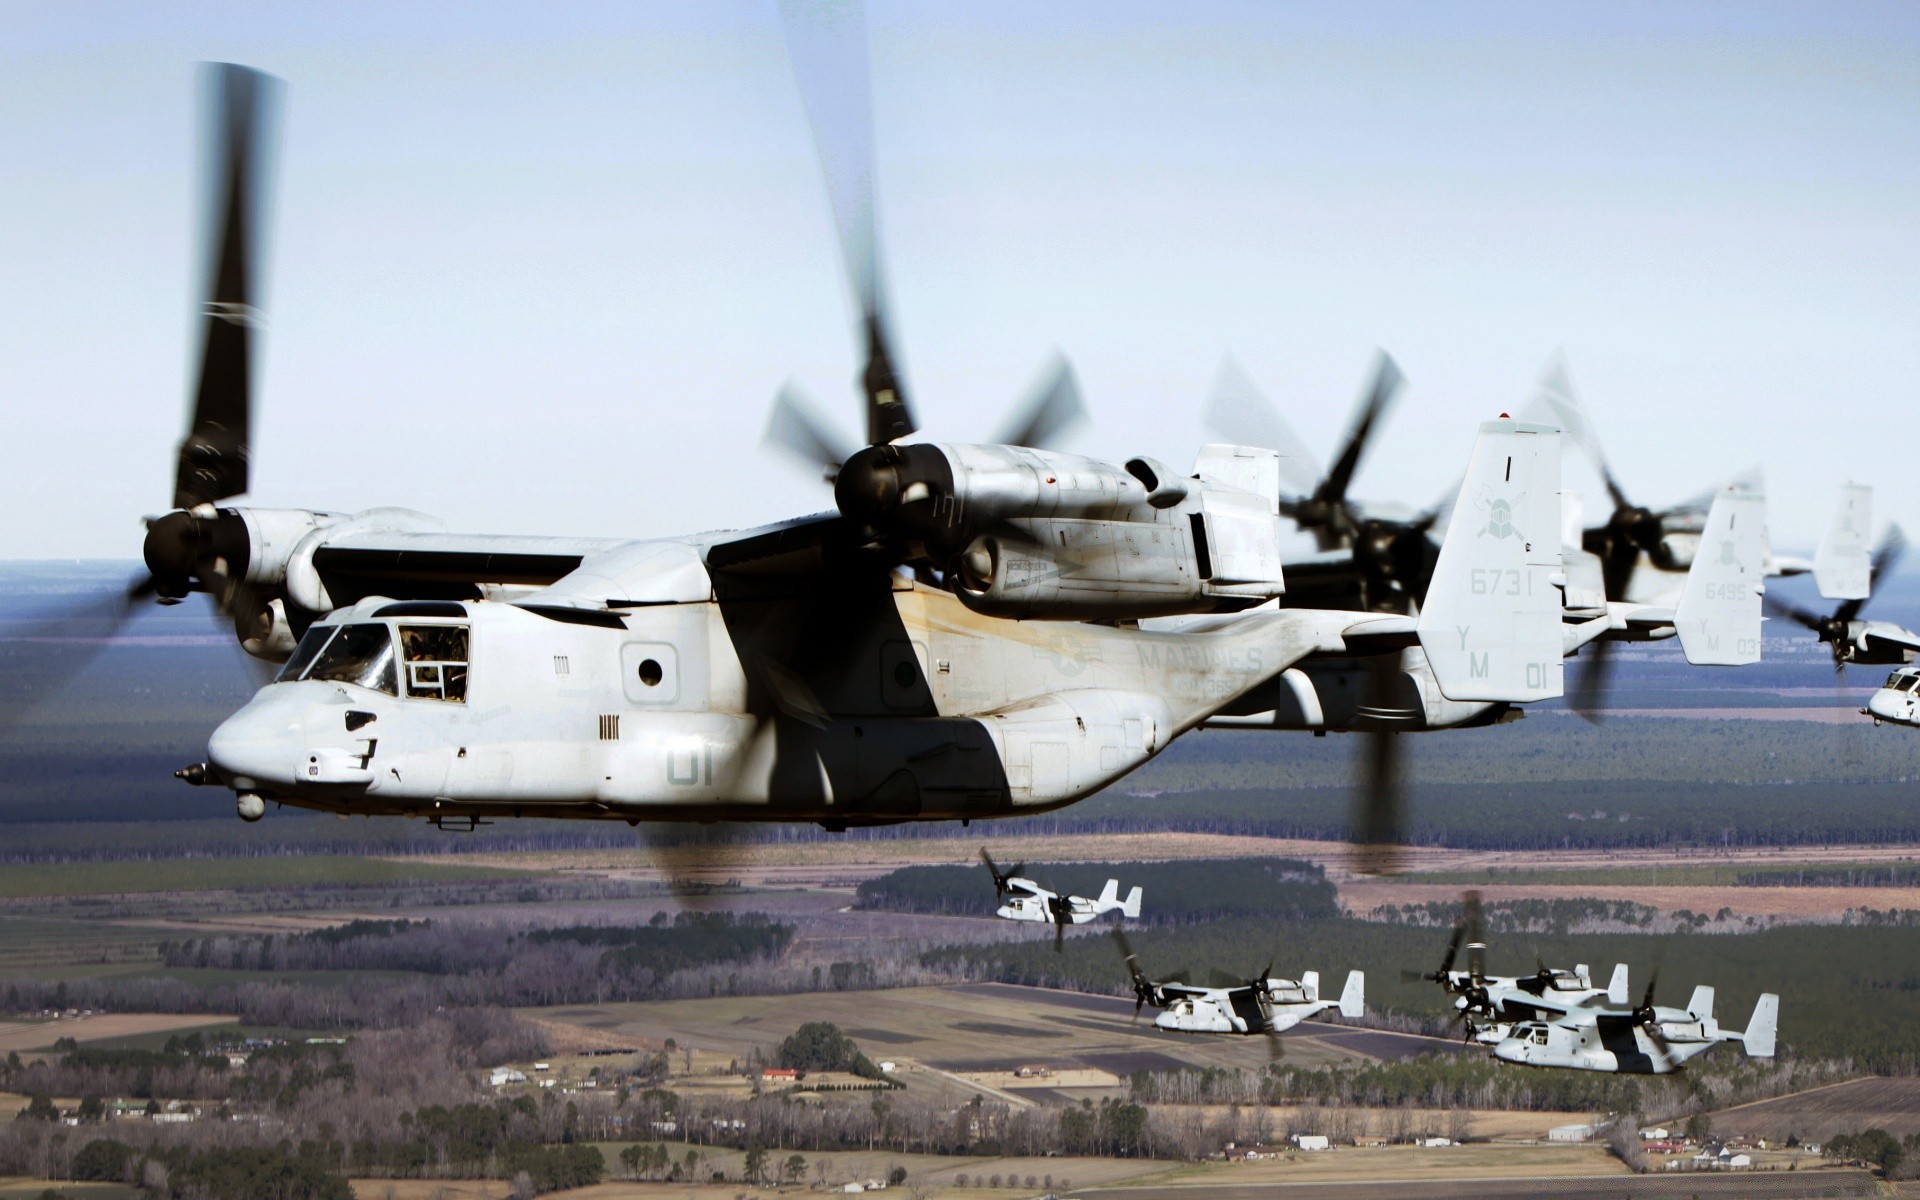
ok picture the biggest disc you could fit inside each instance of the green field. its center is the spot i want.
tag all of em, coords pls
(1704, 875)
(225, 874)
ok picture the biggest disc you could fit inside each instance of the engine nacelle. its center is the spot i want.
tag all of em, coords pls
(1068, 569)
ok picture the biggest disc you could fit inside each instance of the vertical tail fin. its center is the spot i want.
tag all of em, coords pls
(1131, 909)
(1310, 984)
(1701, 1005)
(1353, 997)
(1842, 564)
(1719, 611)
(1617, 994)
(1109, 897)
(1491, 625)
(1764, 1027)
(1584, 974)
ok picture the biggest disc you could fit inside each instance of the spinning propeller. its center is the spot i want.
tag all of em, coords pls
(1001, 878)
(1391, 560)
(1837, 630)
(196, 548)
(828, 48)
(1145, 991)
(1648, 1018)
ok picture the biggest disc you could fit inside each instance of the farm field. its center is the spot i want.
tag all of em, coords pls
(1891, 1104)
(214, 874)
(101, 1027)
(1787, 904)
(951, 1033)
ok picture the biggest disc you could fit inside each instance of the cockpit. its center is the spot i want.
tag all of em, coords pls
(1530, 1031)
(1903, 681)
(430, 661)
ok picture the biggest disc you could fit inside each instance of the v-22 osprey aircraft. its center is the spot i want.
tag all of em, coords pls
(1647, 1040)
(959, 639)
(1261, 1005)
(1025, 900)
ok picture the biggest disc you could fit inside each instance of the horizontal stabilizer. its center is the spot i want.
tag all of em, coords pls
(1718, 616)
(1842, 564)
(1491, 626)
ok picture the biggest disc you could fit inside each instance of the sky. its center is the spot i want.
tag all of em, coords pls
(541, 267)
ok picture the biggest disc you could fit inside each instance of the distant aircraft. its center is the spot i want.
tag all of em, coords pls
(1262, 1005)
(1491, 1004)
(1647, 1040)
(1028, 901)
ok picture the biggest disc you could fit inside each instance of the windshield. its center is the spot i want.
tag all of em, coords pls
(305, 653)
(361, 654)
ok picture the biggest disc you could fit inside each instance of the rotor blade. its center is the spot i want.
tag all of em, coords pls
(240, 109)
(1276, 1049)
(1589, 697)
(1049, 409)
(1886, 556)
(43, 649)
(797, 429)
(1368, 416)
(1453, 947)
(1555, 394)
(1059, 935)
(827, 45)
(1378, 821)
(1237, 411)
(1793, 612)
(1476, 926)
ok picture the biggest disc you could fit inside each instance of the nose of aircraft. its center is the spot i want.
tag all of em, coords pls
(1887, 703)
(261, 744)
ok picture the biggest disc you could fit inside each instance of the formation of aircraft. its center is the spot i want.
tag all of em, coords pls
(1024, 900)
(975, 630)
(1490, 1005)
(1263, 1005)
(1557, 1018)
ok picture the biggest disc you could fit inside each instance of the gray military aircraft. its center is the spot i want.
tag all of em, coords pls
(1490, 1005)
(1260, 1005)
(966, 636)
(1645, 1040)
(1026, 900)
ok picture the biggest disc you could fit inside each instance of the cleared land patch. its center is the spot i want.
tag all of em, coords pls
(101, 1027)
(1816, 1115)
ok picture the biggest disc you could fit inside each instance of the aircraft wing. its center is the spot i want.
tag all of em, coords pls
(428, 565)
(1885, 634)
(1030, 888)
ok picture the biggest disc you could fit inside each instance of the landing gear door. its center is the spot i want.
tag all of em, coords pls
(650, 672)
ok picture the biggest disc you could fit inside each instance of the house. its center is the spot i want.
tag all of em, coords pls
(1432, 1142)
(1735, 1162)
(1572, 1133)
(502, 1076)
(1656, 1133)
(782, 1073)
(1311, 1141)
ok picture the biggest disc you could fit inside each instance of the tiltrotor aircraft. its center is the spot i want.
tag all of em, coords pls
(1490, 1005)
(1647, 1040)
(969, 635)
(1379, 558)
(1026, 900)
(1261, 1005)
(1847, 570)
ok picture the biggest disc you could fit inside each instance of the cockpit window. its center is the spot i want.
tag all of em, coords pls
(304, 654)
(1539, 1033)
(362, 654)
(436, 661)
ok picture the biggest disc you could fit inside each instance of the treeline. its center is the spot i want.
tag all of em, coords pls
(563, 965)
(1847, 993)
(1578, 914)
(1836, 875)
(1173, 892)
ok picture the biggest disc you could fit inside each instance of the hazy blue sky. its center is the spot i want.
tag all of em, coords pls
(541, 267)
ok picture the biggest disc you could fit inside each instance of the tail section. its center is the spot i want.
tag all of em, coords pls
(1310, 984)
(1701, 1005)
(1842, 564)
(1764, 1026)
(1718, 616)
(1131, 908)
(1109, 897)
(1584, 974)
(1491, 626)
(1353, 997)
(1617, 994)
